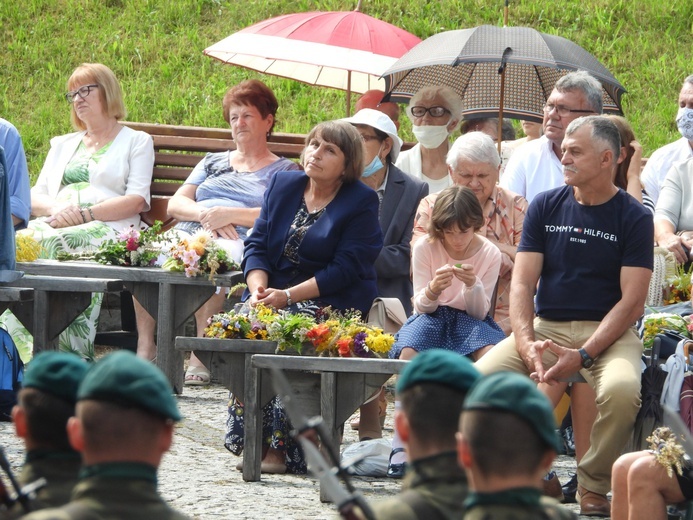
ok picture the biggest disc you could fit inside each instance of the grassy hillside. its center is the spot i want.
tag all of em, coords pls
(155, 48)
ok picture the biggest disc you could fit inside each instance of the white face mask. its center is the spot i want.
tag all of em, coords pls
(430, 136)
(684, 120)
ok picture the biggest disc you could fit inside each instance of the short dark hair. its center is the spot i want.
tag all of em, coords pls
(46, 418)
(111, 427)
(255, 93)
(348, 140)
(433, 412)
(602, 129)
(455, 205)
(502, 443)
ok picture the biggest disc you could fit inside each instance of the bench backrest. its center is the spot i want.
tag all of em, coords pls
(179, 148)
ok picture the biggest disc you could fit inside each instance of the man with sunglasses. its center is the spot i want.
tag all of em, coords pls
(536, 167)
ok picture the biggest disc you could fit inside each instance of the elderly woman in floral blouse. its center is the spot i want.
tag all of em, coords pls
(474, 162)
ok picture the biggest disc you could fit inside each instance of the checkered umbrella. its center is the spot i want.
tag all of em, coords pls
(469, 61)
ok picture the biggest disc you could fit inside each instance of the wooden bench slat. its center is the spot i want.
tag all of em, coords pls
(15, 294)
(177, 159)
(59, 283)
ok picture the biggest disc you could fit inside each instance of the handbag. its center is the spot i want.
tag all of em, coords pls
(387, 314)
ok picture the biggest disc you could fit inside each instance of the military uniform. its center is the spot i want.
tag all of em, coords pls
(438, 480)
(120, 489)
(60, 469)
(114, 491)
(515, 504)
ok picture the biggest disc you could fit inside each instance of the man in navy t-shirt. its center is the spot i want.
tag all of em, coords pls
(589, 246)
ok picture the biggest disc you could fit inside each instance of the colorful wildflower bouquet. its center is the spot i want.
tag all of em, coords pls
(657, 323)
(679, 289)
(331, 333)
(132, 247)
(197, 255)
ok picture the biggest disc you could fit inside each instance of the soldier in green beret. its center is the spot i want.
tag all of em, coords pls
(431, 389)
(507, 442)
(46, 402)
(123, 426)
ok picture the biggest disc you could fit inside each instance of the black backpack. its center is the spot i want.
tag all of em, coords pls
(11, 375)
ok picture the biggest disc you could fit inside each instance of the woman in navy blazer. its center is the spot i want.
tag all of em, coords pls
(314, 244)
(318, 236)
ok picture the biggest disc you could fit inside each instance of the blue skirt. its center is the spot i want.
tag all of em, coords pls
(446, 328)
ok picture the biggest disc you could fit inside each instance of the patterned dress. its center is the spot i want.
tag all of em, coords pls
(79, 336)
(276, 426)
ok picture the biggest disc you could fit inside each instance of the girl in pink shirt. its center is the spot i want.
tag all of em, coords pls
(455, 271)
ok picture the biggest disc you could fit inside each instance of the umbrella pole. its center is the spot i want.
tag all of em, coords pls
(500, 110)
(505, 14)
(348, 96)
(501, 70)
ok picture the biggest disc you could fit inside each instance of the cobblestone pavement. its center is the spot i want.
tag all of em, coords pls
(199, 475)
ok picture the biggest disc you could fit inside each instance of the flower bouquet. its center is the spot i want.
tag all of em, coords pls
(199, 254)
(657, 323)
(679, 289)
(330, 333)
(132, 247)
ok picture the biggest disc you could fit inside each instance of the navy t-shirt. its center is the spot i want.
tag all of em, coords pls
(584, 248)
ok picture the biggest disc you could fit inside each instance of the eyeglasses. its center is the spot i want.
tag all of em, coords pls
(434, 111)
(82, 92)
(564, 111)
(368, 138)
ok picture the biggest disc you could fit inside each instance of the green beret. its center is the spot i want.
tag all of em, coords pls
(56, 373)
(517, 394)
(125, 379)
(439, 366)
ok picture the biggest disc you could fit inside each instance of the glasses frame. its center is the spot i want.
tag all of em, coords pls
(71, 95)
(369, 138)
(429, 110)
(563, 111)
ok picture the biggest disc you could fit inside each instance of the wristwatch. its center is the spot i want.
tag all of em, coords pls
(288, 297)
(587, 361)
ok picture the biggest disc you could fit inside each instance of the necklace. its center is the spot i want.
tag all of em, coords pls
(104, 139)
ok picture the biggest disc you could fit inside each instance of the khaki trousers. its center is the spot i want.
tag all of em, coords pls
(615, 377)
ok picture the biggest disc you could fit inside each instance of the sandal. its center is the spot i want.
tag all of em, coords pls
(396, 470)
(197, 376)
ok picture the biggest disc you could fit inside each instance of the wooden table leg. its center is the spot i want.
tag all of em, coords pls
(53, 312)
(252, 450)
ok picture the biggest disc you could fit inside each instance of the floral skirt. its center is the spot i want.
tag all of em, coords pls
(276, 433)
(79, 336)
(446, 328)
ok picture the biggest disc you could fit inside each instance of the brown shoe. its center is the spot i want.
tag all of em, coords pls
(592, 504)
(551, 486)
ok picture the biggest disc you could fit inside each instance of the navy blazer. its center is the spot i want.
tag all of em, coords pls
(339, 249)
(393, 266)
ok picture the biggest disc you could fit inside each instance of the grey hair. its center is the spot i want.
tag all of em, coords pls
(688, 80)
(586, 83)
(603, 129)
(451, 100)
(476, 147)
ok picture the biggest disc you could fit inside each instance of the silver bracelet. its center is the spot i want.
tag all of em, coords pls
(289, 302)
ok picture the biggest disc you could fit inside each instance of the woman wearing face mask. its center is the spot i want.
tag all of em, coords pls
(435, 112)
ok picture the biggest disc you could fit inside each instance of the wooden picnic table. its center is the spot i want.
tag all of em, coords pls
(331, 387)
(170, 297)
(46, 305)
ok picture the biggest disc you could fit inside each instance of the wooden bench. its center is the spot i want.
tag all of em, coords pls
(46, 305)
(178, 149)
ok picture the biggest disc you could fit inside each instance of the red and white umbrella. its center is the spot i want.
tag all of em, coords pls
(347, 50)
